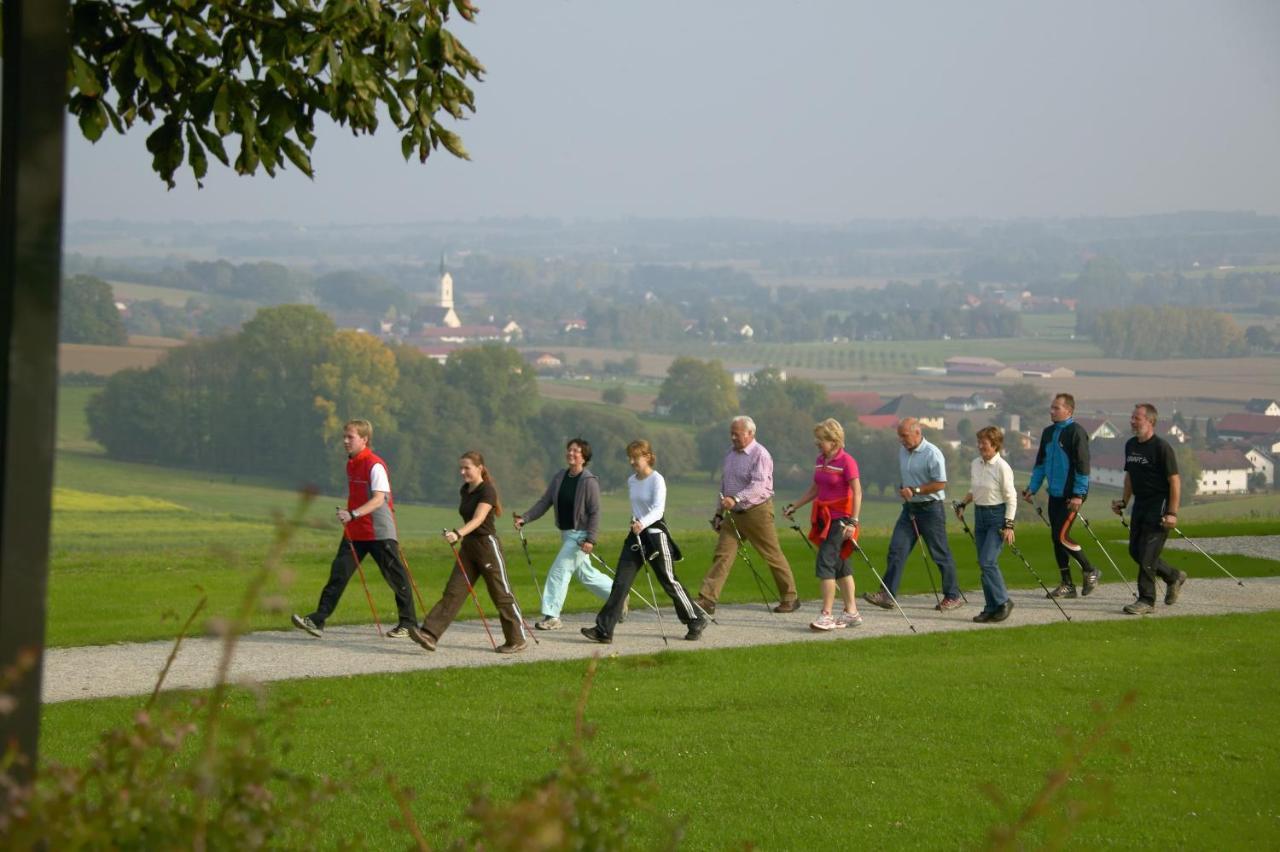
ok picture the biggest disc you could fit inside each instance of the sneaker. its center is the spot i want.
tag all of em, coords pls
(304, 622)
(824, 622)
(696, 628)
(512, 647)
(787, 606)
(880, 599)
(1003, 612)
(1090, 583)
(983, 617)
(1174, 589)
(423, 638)
(398, 632)
(1064, 590)
(707, 606)
(949, 604)
(593, 633)
(549, 623)
(849, 619)
(1139, 608)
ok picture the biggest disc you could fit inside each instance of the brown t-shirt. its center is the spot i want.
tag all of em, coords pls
(470, 499)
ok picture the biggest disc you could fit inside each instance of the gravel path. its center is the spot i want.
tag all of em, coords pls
(131, 669)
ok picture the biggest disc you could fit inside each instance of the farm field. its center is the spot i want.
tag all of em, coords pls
(171, 296)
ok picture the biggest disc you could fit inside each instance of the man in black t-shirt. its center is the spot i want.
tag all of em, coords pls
(1151, 478)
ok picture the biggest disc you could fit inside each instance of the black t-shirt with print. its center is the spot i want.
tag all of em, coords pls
(1149, 464)
(483, 493)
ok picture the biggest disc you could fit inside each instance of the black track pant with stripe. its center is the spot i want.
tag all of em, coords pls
(654, 546)
(386, 553)
(480, 556)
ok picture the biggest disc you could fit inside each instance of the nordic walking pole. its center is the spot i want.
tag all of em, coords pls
(661, 627)
(457, 560)
(1018, 553)
(417, 594)
(356, 557)
(1040, 512)
(923, 548)
(614, 575)
(791, 517)
(1098, 541)
(1197, 547)
(879, 579)
(524, 544)
(742, 551)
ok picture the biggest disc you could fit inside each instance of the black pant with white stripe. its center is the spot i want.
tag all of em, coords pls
(652, 545)
(480, 556)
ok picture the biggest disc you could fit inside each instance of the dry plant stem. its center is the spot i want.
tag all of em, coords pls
(284, 533)
(406, 814)
(177, 643)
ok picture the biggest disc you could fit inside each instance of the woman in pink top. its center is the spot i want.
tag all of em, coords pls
(836, 495)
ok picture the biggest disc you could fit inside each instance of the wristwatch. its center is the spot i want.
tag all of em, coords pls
(915, 489)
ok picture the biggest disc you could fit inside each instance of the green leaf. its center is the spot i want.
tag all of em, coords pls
(83, 78)
(214, 143)
(452, 143)
(93, 120)
(297, 156)
(222, 109)
(407, 142)
(195, 156)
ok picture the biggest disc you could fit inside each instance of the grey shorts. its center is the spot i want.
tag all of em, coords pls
(830, 566)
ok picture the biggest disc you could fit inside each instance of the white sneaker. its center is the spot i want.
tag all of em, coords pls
(849, 619)
(824, 622)
(549, 623)
(398, 633)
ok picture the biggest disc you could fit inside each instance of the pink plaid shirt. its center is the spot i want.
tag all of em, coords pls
(748, 476)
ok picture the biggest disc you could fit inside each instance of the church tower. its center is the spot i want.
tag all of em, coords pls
(446, 286)
(443, 313)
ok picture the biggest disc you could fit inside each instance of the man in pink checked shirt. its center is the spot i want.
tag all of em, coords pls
(746, 491)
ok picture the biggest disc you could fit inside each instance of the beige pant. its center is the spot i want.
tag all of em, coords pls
(756, 527)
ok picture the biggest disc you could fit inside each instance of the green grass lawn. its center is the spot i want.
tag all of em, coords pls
(868, 744)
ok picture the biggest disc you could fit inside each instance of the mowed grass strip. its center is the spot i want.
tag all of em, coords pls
(875, 744)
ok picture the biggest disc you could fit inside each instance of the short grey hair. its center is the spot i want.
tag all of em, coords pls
(745, 421)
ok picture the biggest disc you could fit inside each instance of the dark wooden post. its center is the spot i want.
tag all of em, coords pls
(31, 166)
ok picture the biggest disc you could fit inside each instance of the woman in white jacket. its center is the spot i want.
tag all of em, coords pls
(995, 499)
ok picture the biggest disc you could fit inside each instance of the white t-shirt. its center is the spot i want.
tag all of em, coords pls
(378, 480)
(648, 498)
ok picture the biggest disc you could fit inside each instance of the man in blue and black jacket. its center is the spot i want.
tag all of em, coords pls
(1063, 462)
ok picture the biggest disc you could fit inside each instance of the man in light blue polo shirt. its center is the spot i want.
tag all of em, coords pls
(924, 478)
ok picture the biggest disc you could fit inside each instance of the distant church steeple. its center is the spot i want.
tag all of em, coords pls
(445, 314)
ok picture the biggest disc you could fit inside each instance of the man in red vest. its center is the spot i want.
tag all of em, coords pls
(370, 530)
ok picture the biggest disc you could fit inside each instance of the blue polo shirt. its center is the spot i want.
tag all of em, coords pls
(921, 466)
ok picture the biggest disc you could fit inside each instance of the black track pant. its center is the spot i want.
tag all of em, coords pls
(1146, 541)
(1058, 512)
(654, 546)
(385, 552)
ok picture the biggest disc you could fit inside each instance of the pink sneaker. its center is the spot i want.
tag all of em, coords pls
(825, 622)
(849, 619)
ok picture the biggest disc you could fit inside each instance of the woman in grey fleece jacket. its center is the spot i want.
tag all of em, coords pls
(575, 495)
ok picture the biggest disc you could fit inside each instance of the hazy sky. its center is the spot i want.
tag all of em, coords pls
(825, 110)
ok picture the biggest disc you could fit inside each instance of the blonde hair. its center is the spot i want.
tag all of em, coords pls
(363, 428)
(993, 436)
(830, 430)
(641, 447)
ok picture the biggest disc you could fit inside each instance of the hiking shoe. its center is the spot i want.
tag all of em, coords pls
(983, 617)
(304, 622)
(1003, 612)
(708, 606)
(1174, 589)
(787, 606)
(1064, 590)
(423, 638)
(880, 599)
(1139, 608)
(512, 647)
(593, 633)
(1090, 583)
(824, 622)
(549, 623)
(949, 604)
(849, 619)
(398, 632)
(696, 628)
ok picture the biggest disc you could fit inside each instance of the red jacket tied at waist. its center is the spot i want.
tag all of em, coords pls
(820, 518)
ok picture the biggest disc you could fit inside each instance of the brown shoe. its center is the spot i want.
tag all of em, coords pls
(880, 599)
(1174, 589)
(788, 606)
(422, 637)
(708, 606)
(512, 647)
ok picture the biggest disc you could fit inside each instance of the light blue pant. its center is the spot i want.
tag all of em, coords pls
(571, 562)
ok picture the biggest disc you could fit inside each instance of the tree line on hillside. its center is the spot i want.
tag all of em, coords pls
(1164, 332)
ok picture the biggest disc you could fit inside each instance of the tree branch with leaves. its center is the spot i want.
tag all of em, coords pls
(210, 75)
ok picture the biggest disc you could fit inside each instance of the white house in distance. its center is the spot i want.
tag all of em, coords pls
(1098, 428)
(1263, 462)
(1267, 407)
(1223, 472)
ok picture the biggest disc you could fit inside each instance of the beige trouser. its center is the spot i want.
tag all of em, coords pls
(755, 525)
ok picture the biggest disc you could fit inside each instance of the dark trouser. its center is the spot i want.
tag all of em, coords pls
(480, 556)
(931, 519)
(657, 551)
(1058, 512)
(988, 536)
(385, 552)
(1146, 540)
